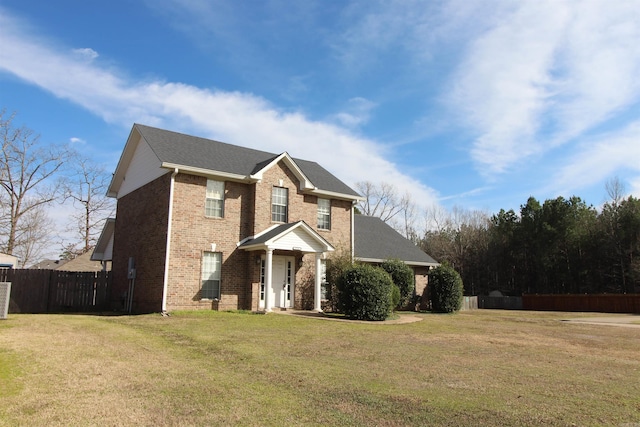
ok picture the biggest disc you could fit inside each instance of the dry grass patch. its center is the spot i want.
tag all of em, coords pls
(206, 368)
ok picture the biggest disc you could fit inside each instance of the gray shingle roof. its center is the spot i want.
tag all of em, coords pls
(280, 229)
(376, 240)
(192, 151)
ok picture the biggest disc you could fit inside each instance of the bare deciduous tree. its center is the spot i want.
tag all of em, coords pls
(615, 190)
(34, 236)
(28, 182)
(382, 200)
(87, 189)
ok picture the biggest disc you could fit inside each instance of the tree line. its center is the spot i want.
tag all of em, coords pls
(558, 246)
(36, 178)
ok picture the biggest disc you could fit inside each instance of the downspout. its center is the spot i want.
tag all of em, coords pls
(167, 257)
(353, 238)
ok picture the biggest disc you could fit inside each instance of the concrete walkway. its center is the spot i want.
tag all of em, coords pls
(625, 320)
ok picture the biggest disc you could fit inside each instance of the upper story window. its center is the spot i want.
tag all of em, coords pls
(214, 203)
(324, 214)
(279, 204)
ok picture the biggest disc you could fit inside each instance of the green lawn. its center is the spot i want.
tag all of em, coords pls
(496, 368)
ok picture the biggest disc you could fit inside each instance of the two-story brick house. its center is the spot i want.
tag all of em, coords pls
(207, 225)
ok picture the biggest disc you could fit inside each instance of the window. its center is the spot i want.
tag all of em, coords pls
(214, 203)
(325, 289)
(279, 204)
(262, 265)
(211, 263)
(324, 214)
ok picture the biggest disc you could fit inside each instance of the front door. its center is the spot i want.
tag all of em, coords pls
(282, 282)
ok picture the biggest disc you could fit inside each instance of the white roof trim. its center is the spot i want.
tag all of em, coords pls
(305, 183)
(101, 252)
(123, 164)
(334, 195)
(416, 263)
(270, 244)
(207, 172)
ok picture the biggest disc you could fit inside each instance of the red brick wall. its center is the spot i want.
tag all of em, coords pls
(301, 207)
(140, 232)
(422, 281)
(193, 233)
(142, 217)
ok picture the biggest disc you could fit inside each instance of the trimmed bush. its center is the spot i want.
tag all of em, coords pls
(445, 285)
(365, 292)
(337, 264)
(403, 277)
(395, 296)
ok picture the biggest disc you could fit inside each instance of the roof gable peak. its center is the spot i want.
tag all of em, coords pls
(305, 183)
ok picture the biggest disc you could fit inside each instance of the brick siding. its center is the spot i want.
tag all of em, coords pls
(141, 233)
(143, 215)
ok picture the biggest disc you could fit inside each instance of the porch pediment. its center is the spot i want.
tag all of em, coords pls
(295, 236)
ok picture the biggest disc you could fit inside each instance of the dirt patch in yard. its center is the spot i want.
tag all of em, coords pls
(627, 320)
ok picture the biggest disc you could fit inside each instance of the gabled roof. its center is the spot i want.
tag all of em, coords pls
(48, 264)
(82, 262)
(103, 251)
(209, 157)
(294, 236)
(376, 241)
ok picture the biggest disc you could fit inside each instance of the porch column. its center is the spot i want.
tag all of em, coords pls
(317, 290)
(268, 264)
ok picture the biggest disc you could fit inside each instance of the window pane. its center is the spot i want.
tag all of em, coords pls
(279, 202)
(213, 208)
(211, 263)
(214, 203)
(324, 291)
(324, 214)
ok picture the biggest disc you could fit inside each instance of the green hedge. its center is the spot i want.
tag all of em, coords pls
(446, 289)
(403, 277)
(365, 293)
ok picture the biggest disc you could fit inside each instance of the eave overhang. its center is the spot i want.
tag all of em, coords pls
(410, 263)
(209, 172)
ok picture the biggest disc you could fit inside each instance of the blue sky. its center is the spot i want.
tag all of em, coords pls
(475, 104)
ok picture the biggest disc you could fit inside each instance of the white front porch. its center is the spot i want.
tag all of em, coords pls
(277, 287)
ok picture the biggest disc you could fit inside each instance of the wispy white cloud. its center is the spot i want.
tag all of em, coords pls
(356, 112)
(600, 158)
(75, 140)
(234, 117)
(503, 85)
(86, 53)
(544, 74)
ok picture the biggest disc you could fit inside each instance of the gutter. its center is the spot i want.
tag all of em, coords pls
(167, 257)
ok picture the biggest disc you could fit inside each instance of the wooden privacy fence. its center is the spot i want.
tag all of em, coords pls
(500, 303)
(53, 291)
(605, 303)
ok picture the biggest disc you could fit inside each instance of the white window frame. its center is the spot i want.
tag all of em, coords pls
(214, 202)
(210, 278)
(324, 214)
(279, 204)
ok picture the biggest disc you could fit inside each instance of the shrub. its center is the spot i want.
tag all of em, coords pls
(395, 296)
(337, 264)
(365, 292)
(445, 289)
(403, 277)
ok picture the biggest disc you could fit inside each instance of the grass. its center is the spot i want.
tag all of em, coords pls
(498, 368)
